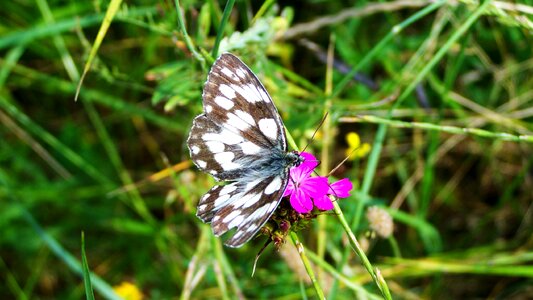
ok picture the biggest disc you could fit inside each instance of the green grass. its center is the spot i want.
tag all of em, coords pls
(449, 122)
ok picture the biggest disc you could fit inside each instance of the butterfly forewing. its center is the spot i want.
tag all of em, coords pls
(239, 138)
(235, 96)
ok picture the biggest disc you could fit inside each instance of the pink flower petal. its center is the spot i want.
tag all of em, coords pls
(323, 203)
(301, 202)
(341, 188)
(289, 189)
(299, 174)
(310, 161)
(315, 187)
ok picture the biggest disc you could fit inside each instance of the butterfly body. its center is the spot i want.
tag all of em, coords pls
(239, 139)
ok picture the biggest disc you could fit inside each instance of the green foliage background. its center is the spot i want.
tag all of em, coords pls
(448, 114)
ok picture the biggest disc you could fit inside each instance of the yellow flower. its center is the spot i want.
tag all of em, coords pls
(128, 291)
(355, 148)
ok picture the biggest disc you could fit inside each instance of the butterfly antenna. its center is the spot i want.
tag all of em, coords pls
(335, 169)
(316, 130)
(338, 166)
(343, 161)
(259, 254)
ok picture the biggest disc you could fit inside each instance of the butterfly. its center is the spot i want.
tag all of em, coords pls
(239, 139)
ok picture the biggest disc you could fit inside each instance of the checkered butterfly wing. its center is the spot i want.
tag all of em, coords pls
(239, 138)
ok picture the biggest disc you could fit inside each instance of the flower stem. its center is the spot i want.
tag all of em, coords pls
(223, 22)
(355, 215)
(186, 37)
(379, 280)
(307, 265)
(327, 142)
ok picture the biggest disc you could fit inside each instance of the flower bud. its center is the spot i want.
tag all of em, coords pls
(380, 221)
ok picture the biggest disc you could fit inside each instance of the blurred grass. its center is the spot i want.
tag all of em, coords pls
(451, 123)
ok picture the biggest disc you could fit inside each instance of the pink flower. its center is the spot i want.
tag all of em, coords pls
(306, 191)
(339, 189)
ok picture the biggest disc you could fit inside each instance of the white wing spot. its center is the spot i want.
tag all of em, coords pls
(232, 215)
(252, 184)
(273, 186)
(225, 136)
(227, 189)
(263, 209)
(230, 166)
(269, 128)
(254, 89)
(224, 102)
(221, 200)
(201, 163)
(215, 146)
(227, 91)
(241, 199)
(195, 149)
(230, 138)
(208, 108)
(247, 92)
(264, 95)
(273, 205)
(249, 148)
(238, 234)
(224, 157)
(251, 200)
(237, 122)
(245, 116)
(236, 221)
(241, 73)
(250, 228)
(229, 73)
(256, 214)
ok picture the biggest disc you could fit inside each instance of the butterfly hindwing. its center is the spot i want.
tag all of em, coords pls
(245, 206)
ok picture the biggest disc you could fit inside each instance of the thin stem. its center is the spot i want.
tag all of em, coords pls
(442, 128)
(183, 30)
(327, 142)
(382, 130)
(60, 252)
(444, 49)
(262, 10)
(196, 266)
(223, 22)
(228, 272)
(376, 150)
(52, 141)
(380, 282)
(350, 283)
(218, 267)
(99, 126)
(307, 265)
(381, 45)
(395, 247)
